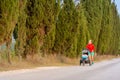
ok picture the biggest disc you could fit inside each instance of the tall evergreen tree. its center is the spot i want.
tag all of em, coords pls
(40, 25)
(106, 28)
(116, 32)
(67, 30)
(51, 11)
(83, 35)
(113, 24)
(20, 30)
(34, 19)
(93, 13)
(8, 20)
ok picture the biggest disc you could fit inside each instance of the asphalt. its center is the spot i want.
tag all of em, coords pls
(105, 70)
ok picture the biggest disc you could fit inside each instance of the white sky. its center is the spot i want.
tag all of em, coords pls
(118, 5)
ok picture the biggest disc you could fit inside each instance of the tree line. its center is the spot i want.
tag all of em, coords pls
(59, 27)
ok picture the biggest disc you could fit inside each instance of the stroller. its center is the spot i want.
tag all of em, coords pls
(84, 59)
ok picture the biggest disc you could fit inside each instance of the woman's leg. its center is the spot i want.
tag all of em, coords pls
(92, 57)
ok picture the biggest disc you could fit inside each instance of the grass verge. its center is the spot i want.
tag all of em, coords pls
(51, 60)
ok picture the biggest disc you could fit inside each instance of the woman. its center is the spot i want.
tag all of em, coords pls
(91, 49)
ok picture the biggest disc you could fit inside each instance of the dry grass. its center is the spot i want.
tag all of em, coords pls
(51, 60)
(105, 57)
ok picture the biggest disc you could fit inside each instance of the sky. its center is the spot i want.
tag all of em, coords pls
(116, 1)
(118, 5)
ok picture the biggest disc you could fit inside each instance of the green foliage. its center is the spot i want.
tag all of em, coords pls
(67, 30)
(102, 21)
(47, 26)
(83, 35)
(34, 17)
(51, 10)
(107, 33)
(93, 13)
(40, 25)
(20, 29)
(8, 18)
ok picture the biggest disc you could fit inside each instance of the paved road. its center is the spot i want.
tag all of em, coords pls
(106, 70)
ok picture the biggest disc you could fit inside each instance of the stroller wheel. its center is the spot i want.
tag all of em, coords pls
(83, 63)
(80, 62)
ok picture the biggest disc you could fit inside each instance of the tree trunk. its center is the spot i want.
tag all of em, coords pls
(8, 51)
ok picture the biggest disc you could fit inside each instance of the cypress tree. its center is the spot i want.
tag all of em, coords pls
(40, 25)
(119, 34)
(8, 20)
(116, 32)
(34, 19)
(106, 28)
(113, 24)
(67, 30)
(20, 30)
(93, 13)
(83, 35)
(51, 11)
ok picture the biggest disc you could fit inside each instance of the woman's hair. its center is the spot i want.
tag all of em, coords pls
(90, 41)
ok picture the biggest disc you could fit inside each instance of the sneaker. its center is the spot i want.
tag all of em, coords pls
(92, 62)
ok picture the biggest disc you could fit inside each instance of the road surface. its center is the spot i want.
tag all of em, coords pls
(106, 70)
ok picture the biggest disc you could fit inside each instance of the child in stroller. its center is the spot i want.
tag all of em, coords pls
(84, 59)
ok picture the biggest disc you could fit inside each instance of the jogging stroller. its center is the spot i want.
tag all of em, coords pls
(84, 58)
